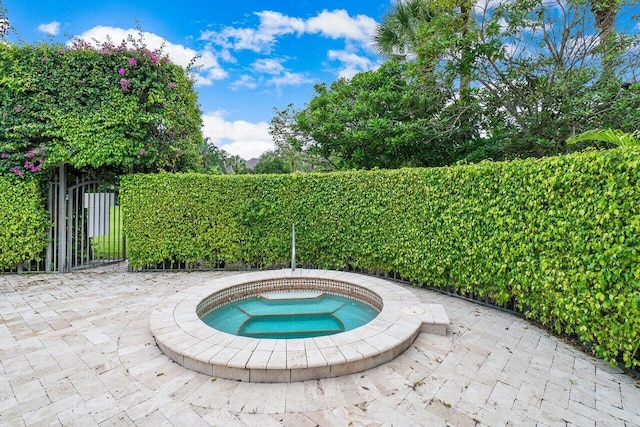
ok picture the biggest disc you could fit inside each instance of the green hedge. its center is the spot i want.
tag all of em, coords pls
(23, 222)
(559, 237)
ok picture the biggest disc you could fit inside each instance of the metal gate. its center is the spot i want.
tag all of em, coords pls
(86, 223)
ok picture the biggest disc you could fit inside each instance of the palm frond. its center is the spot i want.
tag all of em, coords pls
(615, 137)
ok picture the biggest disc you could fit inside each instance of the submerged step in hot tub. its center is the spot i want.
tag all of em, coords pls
(290, 314)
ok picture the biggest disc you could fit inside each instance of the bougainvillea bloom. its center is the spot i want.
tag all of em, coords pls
(132, 62)
(142, 152)
(124, 84)
(172, 84)
(121, 71)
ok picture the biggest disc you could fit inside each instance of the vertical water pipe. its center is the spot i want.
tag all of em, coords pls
(293, 247)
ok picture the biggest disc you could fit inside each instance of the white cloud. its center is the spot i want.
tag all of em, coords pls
(52, 28)
(289, 79)
(209, 68)
(239, 137)
(268, 66)
(334, 24)
(244, 81)
(338, 24)
(272, 24)
(351, 63)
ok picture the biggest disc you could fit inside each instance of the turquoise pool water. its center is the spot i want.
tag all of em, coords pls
(294, 314)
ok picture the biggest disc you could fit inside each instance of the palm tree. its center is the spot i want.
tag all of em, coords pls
(605, 12)
(396, 37)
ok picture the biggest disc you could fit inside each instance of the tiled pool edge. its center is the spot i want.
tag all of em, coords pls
(182, 336)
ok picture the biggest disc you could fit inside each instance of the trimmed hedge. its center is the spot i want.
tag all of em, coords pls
(559, 237)
(23, 222)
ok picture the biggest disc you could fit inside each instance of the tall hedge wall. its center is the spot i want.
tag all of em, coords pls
(23, 222)
(558, 237)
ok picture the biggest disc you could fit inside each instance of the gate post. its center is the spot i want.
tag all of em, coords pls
(62, 220)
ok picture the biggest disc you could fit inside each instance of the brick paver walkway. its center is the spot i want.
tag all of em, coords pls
(75, 349)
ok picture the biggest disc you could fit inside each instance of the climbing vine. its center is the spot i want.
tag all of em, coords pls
(122, 106)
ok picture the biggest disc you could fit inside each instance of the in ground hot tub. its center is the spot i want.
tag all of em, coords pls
(289, 314)
(182, 335)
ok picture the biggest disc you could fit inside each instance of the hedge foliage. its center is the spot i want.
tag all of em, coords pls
(558, 237)
(23, 221)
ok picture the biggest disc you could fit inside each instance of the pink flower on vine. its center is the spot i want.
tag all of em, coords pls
(153, 57)
(121, 71)
(17, 108)
(30, 154)
(172, 84)
(17, 171)
(133, 62)
(142, 152)
(5, 155)
(124, 84)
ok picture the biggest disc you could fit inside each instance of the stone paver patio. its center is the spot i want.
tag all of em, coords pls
(76, 349)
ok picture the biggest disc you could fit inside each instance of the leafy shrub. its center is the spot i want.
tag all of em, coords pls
(559, 238)
(23, 221)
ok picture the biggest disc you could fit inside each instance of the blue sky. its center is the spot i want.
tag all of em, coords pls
(254, 55)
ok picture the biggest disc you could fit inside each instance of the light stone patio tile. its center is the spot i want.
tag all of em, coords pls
(502, 396)
(240, 359)
(84, 420)
(39, 415)
(296, 398)
(31, 390)
(275, 401)
(314, 396)
(557, 394)
(92, 406)
(530, 394)
(185, 417)
(333, 355)
(259, 359)
(146, 407)
(476, 394)
(154, 419)
(315, 358)
(258, 420)
(403, 392)
(118, 420)
(14, 413)
(296, 359)
(223, 418)
(555, 415)
(278, 360)
(266, 345)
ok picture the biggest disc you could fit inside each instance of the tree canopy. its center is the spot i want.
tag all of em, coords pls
(508, 80)
(122, 106)
(379, 118)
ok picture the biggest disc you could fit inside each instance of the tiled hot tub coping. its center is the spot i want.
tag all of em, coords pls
(182, 336)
